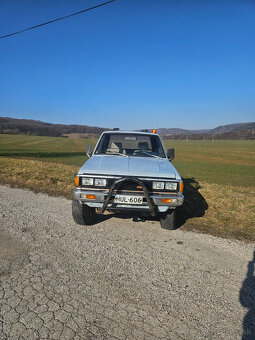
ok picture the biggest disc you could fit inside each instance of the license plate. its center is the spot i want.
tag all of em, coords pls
(125, 199)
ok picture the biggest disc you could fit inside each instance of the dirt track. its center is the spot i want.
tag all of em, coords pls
(118, 279)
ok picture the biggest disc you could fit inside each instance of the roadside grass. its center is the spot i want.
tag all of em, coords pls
(48, 177)
(220, 210)
(219, 177)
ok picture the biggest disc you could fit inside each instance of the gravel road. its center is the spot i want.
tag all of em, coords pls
(118, 279)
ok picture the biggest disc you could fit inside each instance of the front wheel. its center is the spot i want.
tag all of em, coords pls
(168, 220)
(83, 214)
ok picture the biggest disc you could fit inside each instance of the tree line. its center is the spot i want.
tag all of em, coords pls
(249, 134)
(37, 128)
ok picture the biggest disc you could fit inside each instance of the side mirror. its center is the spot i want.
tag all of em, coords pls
(89, 150)
(170, 154)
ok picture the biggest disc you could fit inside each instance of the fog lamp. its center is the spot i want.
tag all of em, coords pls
(165, 200)
(91, 197)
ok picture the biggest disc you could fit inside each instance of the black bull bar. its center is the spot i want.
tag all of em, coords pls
(115, 185)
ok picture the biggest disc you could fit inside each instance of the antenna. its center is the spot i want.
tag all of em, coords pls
(158, 129)
(161, 136)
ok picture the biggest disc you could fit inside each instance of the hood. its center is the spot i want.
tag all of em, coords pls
(129, 166)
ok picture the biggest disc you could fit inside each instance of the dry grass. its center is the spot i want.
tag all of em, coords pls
(229, 211)
(221, 210)
(52, 178)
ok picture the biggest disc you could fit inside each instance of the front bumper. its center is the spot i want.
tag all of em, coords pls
(151, 202)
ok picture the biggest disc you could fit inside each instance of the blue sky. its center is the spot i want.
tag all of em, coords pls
(131, 64)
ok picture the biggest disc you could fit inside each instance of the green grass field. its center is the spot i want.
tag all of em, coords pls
(221, 162)
(50, 149)
(219, 177)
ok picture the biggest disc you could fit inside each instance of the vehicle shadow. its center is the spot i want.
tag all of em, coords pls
(247, 300)
(135, 217)
(194, 204)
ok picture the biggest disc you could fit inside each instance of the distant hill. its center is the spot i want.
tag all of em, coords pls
(38, 128)
(234, 127)
(230, 131)
(176, 131)
(219, 129)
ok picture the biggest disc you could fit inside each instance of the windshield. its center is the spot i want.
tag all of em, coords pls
(130, 145)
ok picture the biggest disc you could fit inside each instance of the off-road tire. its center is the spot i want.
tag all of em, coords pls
(168, 220)
(83, 214)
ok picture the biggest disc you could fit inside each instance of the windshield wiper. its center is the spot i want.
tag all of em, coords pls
(116, 153)
(150, 154)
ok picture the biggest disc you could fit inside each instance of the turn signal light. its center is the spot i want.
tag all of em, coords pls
(165, 200)
(91, 197)
(181, 186)
(77, 181)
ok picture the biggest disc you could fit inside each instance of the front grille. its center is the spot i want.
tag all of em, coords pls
(131, 186)
(128, 186)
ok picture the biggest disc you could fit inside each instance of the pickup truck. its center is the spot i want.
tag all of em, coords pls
(128, 171)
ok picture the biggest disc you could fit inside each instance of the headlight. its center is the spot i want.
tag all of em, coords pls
(100, 182)
(158, 185)
(171, 186)
(87, 181)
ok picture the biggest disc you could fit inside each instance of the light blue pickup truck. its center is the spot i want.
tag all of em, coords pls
(128, 171)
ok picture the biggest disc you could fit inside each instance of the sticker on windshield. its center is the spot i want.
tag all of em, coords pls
(130, 138)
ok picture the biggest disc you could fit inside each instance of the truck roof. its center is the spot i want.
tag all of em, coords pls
(130, 132)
